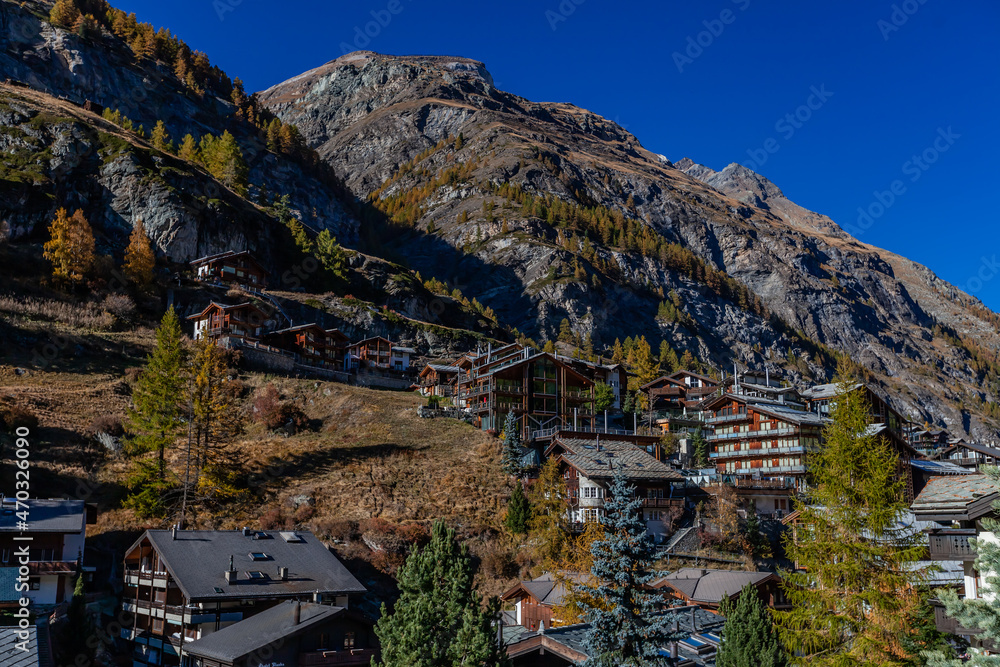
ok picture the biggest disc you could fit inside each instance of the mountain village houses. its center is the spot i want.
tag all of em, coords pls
(225, 598)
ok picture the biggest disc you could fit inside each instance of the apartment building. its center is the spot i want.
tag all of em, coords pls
(183, 585)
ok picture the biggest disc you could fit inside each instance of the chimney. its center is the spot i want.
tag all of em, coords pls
(317, 597)
(230, 576)
(283, 573)
(173, 532)
(297, 613)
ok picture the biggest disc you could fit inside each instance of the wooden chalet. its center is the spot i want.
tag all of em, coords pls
(378, 352)
(544, 392)
(589, 465)
(314, 345)
(437, 380)
(182, 586)
(675, 399)
(535, 600)
(231, 267)
(244, 320)
(708, 588)
(969, 455)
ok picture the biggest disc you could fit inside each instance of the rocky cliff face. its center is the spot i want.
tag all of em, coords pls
(58, 155)
(430, 141)
(104, 70)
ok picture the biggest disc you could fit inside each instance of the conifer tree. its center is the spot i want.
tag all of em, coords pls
(687, 361)
(641, 362)
(548, 512)
(700, 447)
(64, 14)
(160, 139)
(749, 638)
(214, 423)
(438, 619)
(331, 255)
(189, 149)
(565, 331)
(139, 258)
(158, 399)
(77, 628)
(854, 596)
(518, 511)
(70, 247)
(549, 347)
(624, 630)
(510, 460)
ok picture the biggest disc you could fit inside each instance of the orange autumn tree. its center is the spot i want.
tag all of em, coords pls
(139, 258)
(70, 247)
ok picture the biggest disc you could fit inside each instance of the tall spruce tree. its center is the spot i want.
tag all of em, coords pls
(518, 511)
(439, 619)
(510, 460)
(156, 414)
(624, 628)
(982, 613)
(854, 595)
(749, 638)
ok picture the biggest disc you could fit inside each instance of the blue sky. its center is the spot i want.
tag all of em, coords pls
(715, 81)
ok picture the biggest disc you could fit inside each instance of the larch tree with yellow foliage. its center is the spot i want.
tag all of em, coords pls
(139, 258)
(70, 247)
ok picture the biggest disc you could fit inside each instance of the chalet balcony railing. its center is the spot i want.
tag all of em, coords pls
(952, 544)
(743, 435)
(357, 656)
(779, 470)
(663, 502)
(760, 451)
(720, 419)
(749, 483)
(946, 623)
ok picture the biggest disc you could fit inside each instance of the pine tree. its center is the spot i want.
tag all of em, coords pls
(518, 511)
(641, 362)
(749, 638)
(156, 414)
(700, 448)
(139, 258)
(331, 255)
(565, 331)
(548, 513)
(189, 149)
(983, 612)
(687, 360)
(623, 627)
(64, 14)
(854, 596)
(70, 247)
(549, 347)
(510, 460)
(438, 618)
(160, 139)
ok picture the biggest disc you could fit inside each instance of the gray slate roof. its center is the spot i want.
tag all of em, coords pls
(260, 630)
(10, 656)
(597, 464)
(45, 516)
(953, 493)
(710, 586)
(940, 467)
(548, 590)
(198, 560)
(823, 391)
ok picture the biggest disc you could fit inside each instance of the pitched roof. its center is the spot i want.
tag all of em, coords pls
(549, 589)
(198, 560)
(11, 655)
(268, 627)
(825, 391)
(955, 497)
(44, 516)
(595, 463)
(224, 308)
(711, 586)
(569, 640)
(940, 467)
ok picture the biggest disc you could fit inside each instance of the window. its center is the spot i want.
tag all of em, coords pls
(35, 583)
(256, 576)
(259, 555)
(591, 491)
(348, 640)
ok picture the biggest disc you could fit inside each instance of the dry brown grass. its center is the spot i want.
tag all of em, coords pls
(82, 315)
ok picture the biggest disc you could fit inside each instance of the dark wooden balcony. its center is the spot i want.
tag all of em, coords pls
(952, 544)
